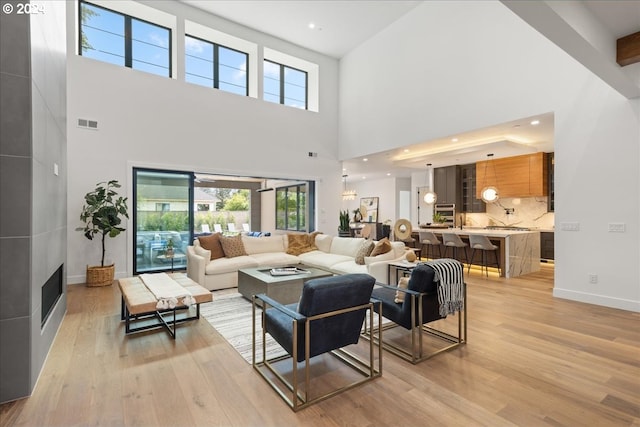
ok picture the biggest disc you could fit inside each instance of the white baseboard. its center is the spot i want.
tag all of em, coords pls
(82, 278)
(623, 304)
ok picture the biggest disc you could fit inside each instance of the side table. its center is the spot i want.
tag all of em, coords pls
(401, 266)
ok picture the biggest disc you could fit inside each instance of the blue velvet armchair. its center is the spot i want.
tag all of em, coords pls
(415, 307)
(329, 316)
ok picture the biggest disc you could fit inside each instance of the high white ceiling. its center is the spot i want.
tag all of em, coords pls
(340, 26)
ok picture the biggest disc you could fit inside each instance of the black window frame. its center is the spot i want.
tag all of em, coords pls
(308, 212)
(128, 41)
(135, 215)
(216, 63)
(282, 68)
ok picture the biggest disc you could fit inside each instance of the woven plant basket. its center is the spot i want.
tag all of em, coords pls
(100, 276)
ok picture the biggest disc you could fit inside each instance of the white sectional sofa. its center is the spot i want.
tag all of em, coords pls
(335, 254)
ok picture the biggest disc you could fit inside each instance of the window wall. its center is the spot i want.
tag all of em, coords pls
(162, 218)
(295, 207)
(137, 36)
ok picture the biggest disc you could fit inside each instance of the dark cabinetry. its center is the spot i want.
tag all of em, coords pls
(457, 185)
(546, 245)
(446, 183)
(470, 203)
(550, 183)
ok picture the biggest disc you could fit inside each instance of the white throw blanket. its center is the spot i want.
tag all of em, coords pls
(449, 274)
(167, 291)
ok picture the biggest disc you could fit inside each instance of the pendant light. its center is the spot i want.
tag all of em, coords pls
(489, 194)
(347, 194)
(430, 196)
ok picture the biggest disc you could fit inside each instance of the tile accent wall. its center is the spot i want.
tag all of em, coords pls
(33, 242)
(527, 212)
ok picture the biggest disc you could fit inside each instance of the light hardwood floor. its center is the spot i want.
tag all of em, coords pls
(531, 360)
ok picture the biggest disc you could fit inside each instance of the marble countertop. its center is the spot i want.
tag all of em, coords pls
(489, 233)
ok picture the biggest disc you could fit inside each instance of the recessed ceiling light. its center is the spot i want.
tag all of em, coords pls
(454, 140)
(535, 122)
(312, 25)
(406, 150)
(388, 173)
(365, 160)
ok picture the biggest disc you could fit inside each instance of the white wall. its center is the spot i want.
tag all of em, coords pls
(387, 191)
(450, 67)
(146, 120)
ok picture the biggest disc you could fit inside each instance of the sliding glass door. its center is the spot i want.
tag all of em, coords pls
(163, 219)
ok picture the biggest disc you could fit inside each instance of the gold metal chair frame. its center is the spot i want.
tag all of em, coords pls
(300, 399)
(416, 354)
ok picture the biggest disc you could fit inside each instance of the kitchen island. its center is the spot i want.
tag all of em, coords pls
(519, 250)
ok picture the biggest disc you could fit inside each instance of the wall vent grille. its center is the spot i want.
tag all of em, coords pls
(88, 124)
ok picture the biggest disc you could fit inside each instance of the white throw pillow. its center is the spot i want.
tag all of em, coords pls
(403, 283)
(383, 257)
(323, 242)
(346, 245)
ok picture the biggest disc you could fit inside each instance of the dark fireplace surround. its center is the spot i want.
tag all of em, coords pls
(51, 293)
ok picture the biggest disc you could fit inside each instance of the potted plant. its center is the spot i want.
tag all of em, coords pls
(102, 214)
(343, 228)
(168, 252)
(438, 218)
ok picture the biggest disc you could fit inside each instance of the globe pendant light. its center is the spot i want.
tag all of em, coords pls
(489, 194)
(430, 196)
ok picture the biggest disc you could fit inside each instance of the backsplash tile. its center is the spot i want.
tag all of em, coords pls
(528, 212)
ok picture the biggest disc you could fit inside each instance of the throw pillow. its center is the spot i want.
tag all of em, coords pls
(403, 283)
(233, 246)
(301, 243)
(364, 251)
(204, 253)
(389, 256)
(212, 243)
(382, 247)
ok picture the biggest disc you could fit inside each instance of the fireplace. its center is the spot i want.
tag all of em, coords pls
(51, 292)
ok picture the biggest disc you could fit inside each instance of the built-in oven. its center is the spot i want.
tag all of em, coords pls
(448, 211)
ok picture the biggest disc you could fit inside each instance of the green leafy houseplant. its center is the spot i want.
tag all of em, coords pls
(438, 218)
(344, 222)
(102, 213)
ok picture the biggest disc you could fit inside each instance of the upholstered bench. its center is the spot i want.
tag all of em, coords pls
(139, 304)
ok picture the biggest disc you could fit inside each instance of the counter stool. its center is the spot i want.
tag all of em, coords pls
(452, 240)
(481, 242)
(428, 240)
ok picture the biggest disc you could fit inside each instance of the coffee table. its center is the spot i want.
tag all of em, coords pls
(284, 289)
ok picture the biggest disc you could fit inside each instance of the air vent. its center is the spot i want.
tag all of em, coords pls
(88, 124)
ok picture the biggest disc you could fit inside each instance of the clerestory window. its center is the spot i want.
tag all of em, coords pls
(120, 39)
(213, 65)
(285, 85)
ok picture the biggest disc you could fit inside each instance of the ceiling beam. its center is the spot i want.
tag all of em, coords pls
(628, 49)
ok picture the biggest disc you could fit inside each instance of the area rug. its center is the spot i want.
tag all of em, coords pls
(230, 315)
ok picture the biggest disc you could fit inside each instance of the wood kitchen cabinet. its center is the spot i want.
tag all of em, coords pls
(446, 184)
(518, 176)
